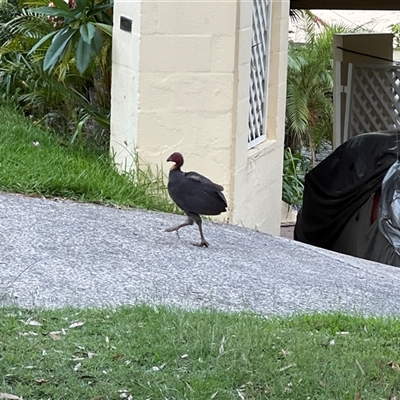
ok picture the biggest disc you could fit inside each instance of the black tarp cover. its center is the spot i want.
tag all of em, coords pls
(336, 188)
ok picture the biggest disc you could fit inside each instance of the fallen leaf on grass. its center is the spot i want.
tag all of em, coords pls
(76, 324)
(77, 366)
(393, 397)
(156, 368)
(240, 394)
(221, 347)
(81, 355)
(124, 394)
(358, 395)
(30, 333)
(54, 336)
(9, 396)
(359, 366)
(32, 322)
(214, 395)
(287, 367)
(40, 381)
(74, 358)
(394, 365)
(189, 387)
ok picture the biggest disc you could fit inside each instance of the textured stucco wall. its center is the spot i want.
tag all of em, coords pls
(257, 175)
(125, 84)
(187, 84)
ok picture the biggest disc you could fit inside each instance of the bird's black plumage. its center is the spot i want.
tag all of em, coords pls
(195, 194)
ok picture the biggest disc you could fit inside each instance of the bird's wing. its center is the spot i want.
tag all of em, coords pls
(205, 181)
(195, 193)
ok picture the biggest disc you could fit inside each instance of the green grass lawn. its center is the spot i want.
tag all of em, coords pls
(35, 161)
(157, 353)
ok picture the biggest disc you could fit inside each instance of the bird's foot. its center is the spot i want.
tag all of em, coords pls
(174, 228)
(202, 243)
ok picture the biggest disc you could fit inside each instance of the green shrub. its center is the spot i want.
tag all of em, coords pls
(62, 83)
(295, 167)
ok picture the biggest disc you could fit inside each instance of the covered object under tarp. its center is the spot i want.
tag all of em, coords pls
(340, 209)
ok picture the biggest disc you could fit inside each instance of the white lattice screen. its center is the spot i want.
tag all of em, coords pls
(258, 73)
(373, 103)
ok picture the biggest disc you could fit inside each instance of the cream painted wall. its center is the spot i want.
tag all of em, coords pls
(125, 84)
(187, 84)
(257, 176)
(187, 90)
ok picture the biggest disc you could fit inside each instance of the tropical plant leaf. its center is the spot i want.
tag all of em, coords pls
(67, 54)
(79, 128)
(104, 27)
(57, 48)
(80, 5)
(61, 4)
(102, 119)
(87, 32)
(97, 42)
(84, 53)
(296, 15)
(41, 41)
(53, 12)
(100, 8)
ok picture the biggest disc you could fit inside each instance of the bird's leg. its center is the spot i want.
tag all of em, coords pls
(203, 242)
(189, 221)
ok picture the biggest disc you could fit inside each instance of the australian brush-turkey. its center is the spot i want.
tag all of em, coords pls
(195, 194)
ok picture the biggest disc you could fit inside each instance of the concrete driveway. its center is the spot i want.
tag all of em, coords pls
(58, 253)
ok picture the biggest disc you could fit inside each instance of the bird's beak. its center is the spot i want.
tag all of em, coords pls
(169, 159)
